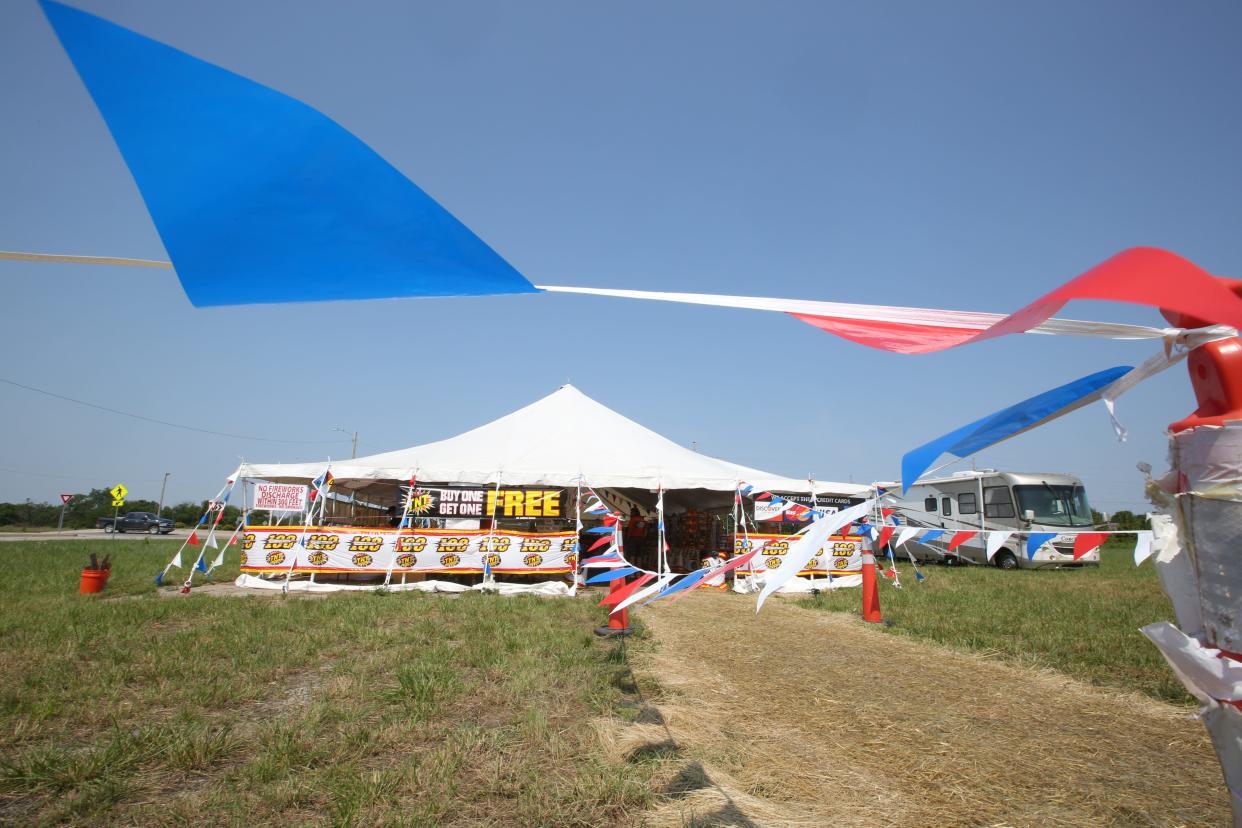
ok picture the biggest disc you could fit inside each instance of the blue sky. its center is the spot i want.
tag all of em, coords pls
(964, 155)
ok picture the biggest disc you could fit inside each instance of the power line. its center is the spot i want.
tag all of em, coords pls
(162, 422)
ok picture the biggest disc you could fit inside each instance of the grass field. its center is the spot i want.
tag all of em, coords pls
(1083, 622)
(349, 709)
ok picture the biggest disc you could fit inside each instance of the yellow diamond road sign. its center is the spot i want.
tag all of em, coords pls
(118, 491)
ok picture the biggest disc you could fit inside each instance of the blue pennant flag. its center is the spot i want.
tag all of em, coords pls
(1008, 422)
(201, 564)
(611, 575)
(601, 530)
(682, 583)
(159, 579)
(930, 535)
(1036, 540)
(257, 197)
(919, 576)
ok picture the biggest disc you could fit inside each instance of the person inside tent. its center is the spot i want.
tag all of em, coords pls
(716, 581)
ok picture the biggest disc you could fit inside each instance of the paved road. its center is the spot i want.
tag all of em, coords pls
(84, 534)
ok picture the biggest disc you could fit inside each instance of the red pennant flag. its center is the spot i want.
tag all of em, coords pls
(605, 539)
(885, 534)
(193, 541)
(1087, 541)
(610, 520)
(887, 512)
(959, 538)
(233, 541)
(890, 573)
(626, 591)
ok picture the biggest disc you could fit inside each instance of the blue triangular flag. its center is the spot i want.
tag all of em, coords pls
(1036, 540)
(611, 575)
(601, 530)
(201, 564)
(159, 579)
(930, 535)
(918, 576)
(257, 197)
(687, 581)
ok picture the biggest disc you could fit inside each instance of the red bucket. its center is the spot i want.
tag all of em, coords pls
(93, 580)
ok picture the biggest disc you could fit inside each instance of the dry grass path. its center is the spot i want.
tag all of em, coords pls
(810, 718)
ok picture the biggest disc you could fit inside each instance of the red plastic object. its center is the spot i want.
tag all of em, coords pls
(619, 621)
(870, 590)
(1215, 372)
(93, 580)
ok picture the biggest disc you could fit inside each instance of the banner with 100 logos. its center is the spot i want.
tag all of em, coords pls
(268, 549)
(840, 555)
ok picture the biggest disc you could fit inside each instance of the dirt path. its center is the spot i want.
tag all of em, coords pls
(809, 718)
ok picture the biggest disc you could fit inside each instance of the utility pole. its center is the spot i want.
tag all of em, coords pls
(160, 511)
(353, 452)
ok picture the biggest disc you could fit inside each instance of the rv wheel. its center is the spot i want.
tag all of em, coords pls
(1006, 560)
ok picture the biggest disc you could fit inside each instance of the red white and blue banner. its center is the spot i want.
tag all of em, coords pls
(335, 550)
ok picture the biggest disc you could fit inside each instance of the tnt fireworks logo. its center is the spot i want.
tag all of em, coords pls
(420, 502)
(275, 558)
(406, 560)
(449, 561)
(362, 559)
(533, 560)
(773, 563)
(317, 558)
(840, 563)
(812, 563)
(492, 560)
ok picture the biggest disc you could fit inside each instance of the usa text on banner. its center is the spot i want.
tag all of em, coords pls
(257, 196)
(336, 550)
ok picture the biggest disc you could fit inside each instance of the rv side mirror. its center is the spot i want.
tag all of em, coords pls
(1029, 515)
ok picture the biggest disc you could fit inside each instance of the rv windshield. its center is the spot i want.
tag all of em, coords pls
(1056, 505)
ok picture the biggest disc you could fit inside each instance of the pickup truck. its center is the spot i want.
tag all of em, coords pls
(136, 522)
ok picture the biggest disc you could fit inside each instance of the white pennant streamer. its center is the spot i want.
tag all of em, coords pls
(995, 541)
(660, 583)
(800, 553)
(905, 534)
(1142, 547)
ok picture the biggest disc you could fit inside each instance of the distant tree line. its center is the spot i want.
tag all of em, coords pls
(1124, 520)
(84, 509)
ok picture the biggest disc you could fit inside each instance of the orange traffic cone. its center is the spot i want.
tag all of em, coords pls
(618, 622)
(870, 589)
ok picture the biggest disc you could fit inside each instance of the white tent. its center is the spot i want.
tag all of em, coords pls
(551, 442)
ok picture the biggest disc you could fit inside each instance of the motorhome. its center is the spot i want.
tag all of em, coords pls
(987, 500)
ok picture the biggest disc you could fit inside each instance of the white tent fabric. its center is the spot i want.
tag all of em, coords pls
(550, 443)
